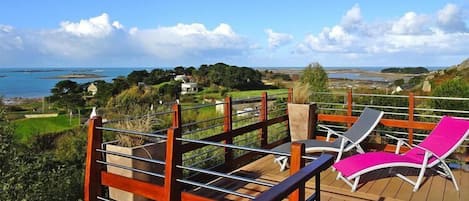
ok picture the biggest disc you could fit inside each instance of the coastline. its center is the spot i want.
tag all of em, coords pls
(75, 76)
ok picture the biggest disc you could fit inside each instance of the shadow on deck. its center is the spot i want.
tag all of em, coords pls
(377, 185)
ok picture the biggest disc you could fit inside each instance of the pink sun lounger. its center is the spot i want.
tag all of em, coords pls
(448, 134)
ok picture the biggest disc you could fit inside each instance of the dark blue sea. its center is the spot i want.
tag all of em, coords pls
(37, 82)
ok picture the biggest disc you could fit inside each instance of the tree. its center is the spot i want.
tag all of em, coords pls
(315, 75)
(67, 94)
(157, 76)
(119, 84)
(452, 88)
(137, 76)
(29, 175)
(180, 70)
(104, 92)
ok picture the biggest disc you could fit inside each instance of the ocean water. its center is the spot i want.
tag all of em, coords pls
(37, 82)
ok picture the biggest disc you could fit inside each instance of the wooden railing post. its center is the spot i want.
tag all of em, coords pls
(289, 100)
(92, 169)
(263, 118)
(172, 188)
(227, 127)
(411, 117)
(314, 121)
(177, 115)
(296, 163)
(349, 105)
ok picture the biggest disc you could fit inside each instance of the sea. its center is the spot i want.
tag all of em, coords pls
(38, 82)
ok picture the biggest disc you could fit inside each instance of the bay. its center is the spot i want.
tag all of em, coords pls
(37, 82)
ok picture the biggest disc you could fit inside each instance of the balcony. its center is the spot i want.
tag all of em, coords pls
(227, 156)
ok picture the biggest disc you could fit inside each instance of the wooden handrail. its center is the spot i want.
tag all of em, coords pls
(287, 186)
(92, 186)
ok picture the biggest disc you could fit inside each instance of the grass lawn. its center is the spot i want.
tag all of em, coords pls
(26, 128)
(246, 94)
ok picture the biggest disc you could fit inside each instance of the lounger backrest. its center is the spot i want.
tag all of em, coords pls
(363, 126)
(447, 135)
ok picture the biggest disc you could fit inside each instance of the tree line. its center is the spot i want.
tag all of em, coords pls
(68, 94)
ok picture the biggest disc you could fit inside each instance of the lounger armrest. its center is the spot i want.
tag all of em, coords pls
(329, 132)
(400, 142)
(427, 150)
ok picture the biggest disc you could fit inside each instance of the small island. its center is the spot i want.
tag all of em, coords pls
(76, 76)
(406, 70)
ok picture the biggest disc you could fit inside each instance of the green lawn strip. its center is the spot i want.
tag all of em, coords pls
(26, 128)
(245, 94)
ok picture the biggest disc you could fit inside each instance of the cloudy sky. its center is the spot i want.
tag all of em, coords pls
(121, 33)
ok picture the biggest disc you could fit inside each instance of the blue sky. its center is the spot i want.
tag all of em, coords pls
(119, 33)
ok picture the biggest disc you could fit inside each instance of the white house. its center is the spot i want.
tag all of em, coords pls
(92, 89)
(189, 88)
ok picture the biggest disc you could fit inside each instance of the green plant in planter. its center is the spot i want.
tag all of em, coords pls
(301, 93)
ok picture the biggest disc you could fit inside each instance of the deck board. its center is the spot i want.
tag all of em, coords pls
(377, 185)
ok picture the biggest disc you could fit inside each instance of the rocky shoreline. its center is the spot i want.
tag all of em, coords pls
(76, 76)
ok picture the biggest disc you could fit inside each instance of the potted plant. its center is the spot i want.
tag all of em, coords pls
(301, 113)
(136, 146)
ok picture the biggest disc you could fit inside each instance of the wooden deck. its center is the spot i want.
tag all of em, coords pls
(377, 185)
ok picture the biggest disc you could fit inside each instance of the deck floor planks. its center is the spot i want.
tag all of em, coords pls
(422, 193)
(464, 186)
(381, 187)
(450, 191)
(393, 186)
(436, 192)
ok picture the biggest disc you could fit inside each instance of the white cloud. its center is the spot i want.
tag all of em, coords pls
(329, 40)
(189, 40)
(276, 40)
(102, 40)
(95, 27)
(412, 33)
(352, 19)
(450, 19)
(410, 23)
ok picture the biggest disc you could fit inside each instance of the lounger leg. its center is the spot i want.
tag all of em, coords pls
(448, 171)
(355, 184)
(283, 162)
(360, 149)
(422, 171)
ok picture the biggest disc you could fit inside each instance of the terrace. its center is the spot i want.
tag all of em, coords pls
(228, 157)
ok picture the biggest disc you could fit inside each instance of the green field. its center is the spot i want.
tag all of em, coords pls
(27, 128)
(247, 94)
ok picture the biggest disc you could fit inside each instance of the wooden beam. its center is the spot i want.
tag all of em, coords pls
(386, 122)
(296, 163)
(263, 119)
(172, 188)
(411, 117)
(177, 115)
(233, 133)
(349, 105)
(227, 127)
(92, 186)
(145, 189)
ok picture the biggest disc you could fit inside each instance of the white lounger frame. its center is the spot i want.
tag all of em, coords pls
(283, 160)
(354, 179)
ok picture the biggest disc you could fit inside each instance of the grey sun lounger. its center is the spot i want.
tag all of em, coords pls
(345, 142)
